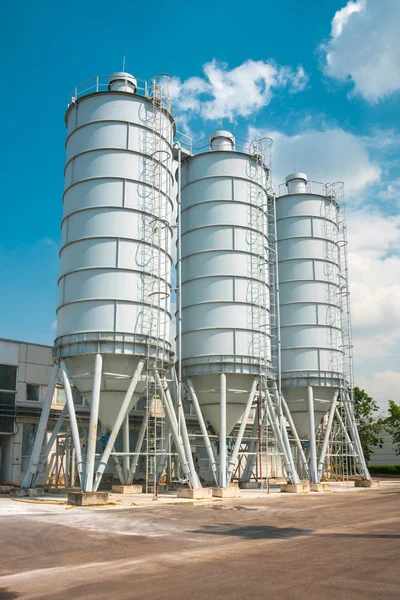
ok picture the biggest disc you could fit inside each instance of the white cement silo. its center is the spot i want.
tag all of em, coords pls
(113, 313)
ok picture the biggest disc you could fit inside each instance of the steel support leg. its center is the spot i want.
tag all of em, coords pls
(73, 423)
(296, 437)
(356, 438)
(222, 432)
(41, 431)
(118, 468)
(203, 428)
(48, 447)
(126, 448)
(253, 445)
(174, 430)
(245, 418)
(283, 448)
(94, 417)
(125, 407)
(184, 434)
(328, 430)
(139, 443)
(313, 444)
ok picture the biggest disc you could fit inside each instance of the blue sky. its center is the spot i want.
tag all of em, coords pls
(321, 77)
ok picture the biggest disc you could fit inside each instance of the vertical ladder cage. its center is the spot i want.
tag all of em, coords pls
(155, 255)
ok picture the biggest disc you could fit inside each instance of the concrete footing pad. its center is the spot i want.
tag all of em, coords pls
(249, 485)
(126, 489)
(292, 488)
(366, 483)
(88, 498)
(24, 492)
(227, 492)
(195, 493)
(319, 487)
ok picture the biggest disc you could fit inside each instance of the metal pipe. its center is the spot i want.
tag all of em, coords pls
(94, 417)
(48, 447)
(126, 447)
(296, 436)
(313, 443)
(73, 423)
(222, 432)
(278, 314)
(174, 430)
(139, 443)
(328, 430)
(203, 428)
(179, 260)
(41, 431)
(163, 457)
(125, 407)
(245, 417)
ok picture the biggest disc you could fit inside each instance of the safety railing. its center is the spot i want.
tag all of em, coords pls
(156, 89)
(331, 190)
(261, 148)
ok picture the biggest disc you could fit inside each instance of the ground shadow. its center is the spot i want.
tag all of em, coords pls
(259, 532)
(7, 594)
(255, 532)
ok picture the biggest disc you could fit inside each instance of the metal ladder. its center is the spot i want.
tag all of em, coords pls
(156, 182)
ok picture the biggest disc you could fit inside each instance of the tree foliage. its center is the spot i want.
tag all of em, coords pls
(369, 424)
(392, 424)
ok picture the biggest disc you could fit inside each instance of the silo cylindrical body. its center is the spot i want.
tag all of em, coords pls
(225, 294)
(310, 297)
(115, 258)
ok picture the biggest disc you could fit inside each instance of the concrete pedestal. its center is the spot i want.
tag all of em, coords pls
(292, 488)
(227, 492)
(126, 489)
(366, 483)
(88, 498)
(195, 493)
(249, 485)
(319, 487)
(306, 486)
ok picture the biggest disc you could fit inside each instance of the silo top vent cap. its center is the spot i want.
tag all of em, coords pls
(122, 76)
(221, 133)
(293, 176)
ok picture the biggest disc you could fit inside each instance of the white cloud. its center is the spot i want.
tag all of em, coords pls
(374, 268)
(365, 47)
(231, 93)
(329, 155)
(382, 386)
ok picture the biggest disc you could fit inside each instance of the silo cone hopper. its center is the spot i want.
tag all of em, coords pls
(117, 373)
(208, 393)
(297, 401)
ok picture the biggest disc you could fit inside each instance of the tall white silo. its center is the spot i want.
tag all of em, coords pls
(225, 329)
(113, 313)
(312, 292)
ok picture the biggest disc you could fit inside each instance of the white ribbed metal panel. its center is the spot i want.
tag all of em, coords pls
(224, 245)
(310, 315)
(117, 159)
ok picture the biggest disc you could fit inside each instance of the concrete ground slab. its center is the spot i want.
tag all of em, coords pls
(208, 551)
(88, 498)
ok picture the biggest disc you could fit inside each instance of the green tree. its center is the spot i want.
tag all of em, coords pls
(392, 423)
(369, 424)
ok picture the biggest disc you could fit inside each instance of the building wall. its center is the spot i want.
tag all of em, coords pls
(387, 454)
